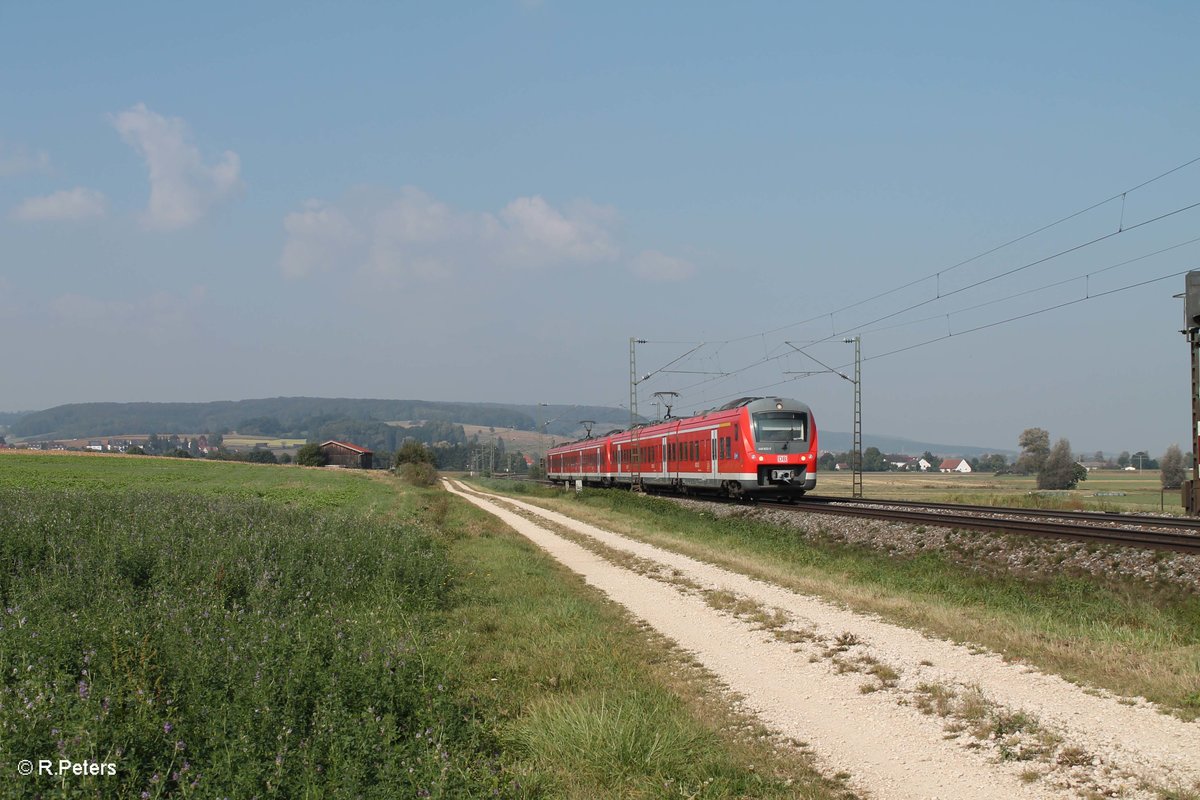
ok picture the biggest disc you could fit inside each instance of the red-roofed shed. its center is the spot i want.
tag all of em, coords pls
(344, 454)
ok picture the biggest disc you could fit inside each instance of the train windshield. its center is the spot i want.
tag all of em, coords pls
(780, 426)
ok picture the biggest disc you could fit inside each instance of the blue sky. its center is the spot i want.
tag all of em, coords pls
(485, 201)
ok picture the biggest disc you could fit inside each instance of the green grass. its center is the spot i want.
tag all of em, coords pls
(291, 485)
(1104, 490)
(588, 705)
(218, 629)
(1120, 634)
(225, 629)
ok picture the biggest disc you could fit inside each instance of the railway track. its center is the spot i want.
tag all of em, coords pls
(1080, 526)
(1099, 517)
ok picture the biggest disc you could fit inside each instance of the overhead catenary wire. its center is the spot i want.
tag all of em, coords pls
(936, 274)
(768, 357)
(771, 355)
(964, 332)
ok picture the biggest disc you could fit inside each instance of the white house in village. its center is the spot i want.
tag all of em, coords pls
(954, 465)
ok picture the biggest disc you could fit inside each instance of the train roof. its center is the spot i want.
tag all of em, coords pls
(754, 404)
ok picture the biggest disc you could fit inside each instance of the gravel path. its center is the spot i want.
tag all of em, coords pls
(907, 716)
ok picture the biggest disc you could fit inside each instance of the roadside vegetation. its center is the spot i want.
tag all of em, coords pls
(222, 629)
(1105, 490)
(1116, 633)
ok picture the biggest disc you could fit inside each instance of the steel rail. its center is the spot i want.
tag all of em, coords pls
(1124, 537)
(1155, 520)
(1082, 526)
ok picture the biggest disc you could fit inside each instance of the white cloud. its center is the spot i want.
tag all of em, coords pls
(652, 265)
(410, 234)
(532, 232)
(15, 159)
(77, 203)
(318, 239)
(182, 187)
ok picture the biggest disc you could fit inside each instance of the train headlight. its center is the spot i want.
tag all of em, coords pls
(778, 406)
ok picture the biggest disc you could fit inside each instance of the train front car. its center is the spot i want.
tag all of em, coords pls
(782, 445)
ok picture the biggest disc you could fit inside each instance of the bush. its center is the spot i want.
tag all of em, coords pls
(418, 473)
(311, 456)
(261, 456)
(413, 452)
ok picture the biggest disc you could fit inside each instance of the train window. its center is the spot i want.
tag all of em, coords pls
(780, 426)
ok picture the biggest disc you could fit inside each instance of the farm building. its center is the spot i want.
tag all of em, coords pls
(344, 454)
(954, 465)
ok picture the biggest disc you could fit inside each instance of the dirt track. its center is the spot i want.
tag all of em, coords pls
(906, 715)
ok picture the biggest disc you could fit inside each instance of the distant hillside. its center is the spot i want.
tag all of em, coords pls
(308, 415)
(9, 417)
(840, 442)
(79, 420)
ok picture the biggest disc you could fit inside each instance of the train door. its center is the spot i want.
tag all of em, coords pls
(664, 457)
(712, 454)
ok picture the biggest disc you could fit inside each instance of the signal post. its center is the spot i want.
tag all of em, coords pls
(1191, 488)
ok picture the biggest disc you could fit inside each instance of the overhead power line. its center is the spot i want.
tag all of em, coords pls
(935, 339)
(936, 274)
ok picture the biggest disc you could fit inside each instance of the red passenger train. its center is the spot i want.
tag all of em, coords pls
(752, 447)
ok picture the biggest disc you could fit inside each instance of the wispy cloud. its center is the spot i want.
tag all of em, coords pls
(652, 265)
(409, 234)
(15, 159)
(157, 314)
(182, 187)
(69, 204)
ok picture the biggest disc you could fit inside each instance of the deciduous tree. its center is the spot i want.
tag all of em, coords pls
(1035, 448)
(412, 452)
(1059, 468)
(1173, 472)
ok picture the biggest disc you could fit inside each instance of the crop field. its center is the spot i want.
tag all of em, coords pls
(224, 630)
(274, 442)
(1104, 490)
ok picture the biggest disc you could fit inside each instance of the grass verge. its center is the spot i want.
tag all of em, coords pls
(1119, 634)
(588, 704)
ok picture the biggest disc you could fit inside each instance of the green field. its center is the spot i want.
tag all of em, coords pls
(1104, 490)
(273, 442)
(218, 629)
(221, 629)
